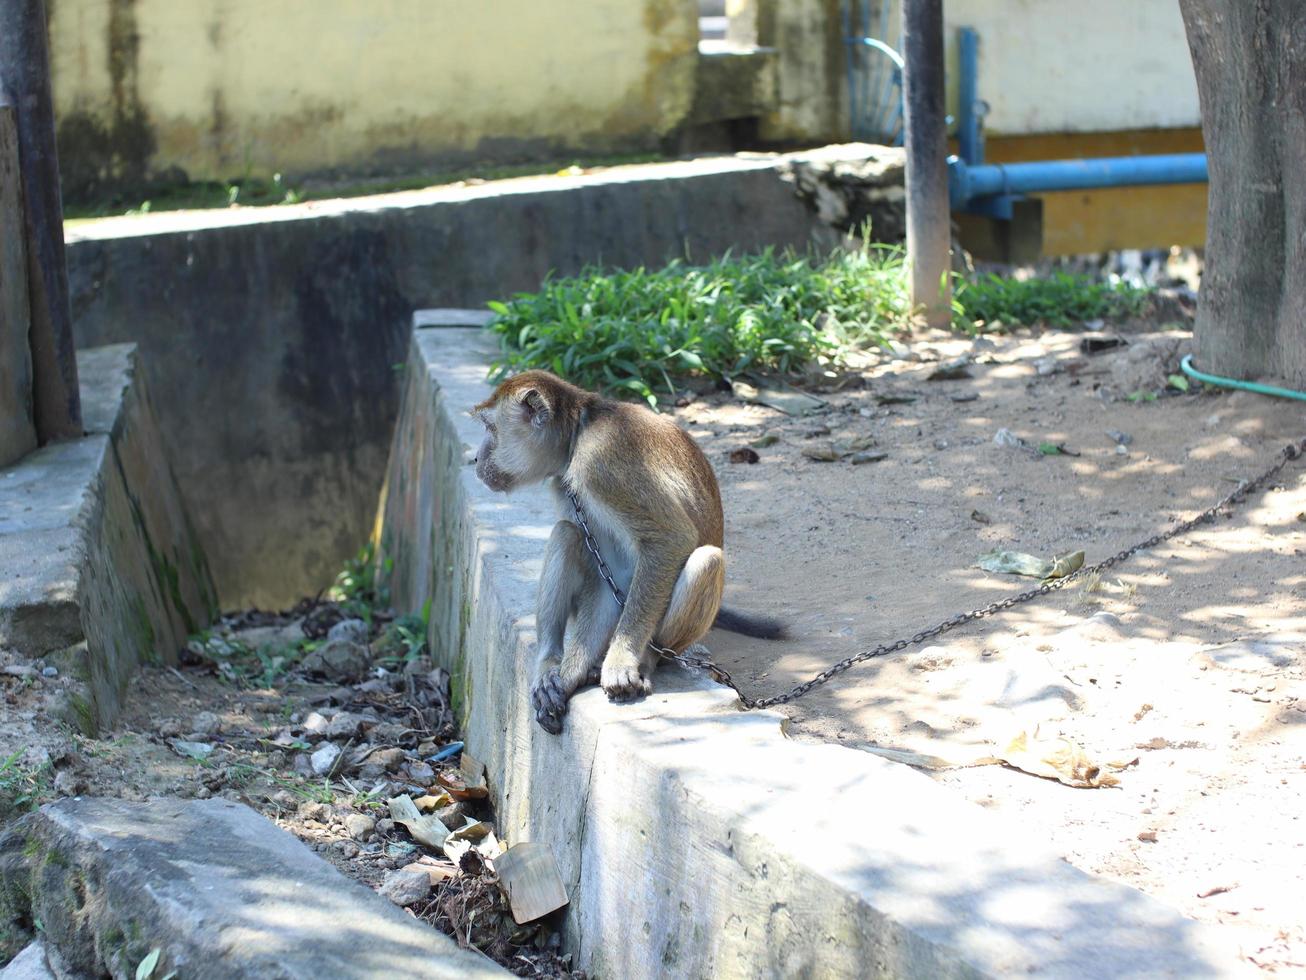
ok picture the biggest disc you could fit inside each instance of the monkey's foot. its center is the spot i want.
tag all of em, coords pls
(549, 698)
(624, 681)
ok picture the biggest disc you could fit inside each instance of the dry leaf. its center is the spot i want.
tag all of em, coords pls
(1055, 758)
(436, 872)
(427, 829)
(821, 454)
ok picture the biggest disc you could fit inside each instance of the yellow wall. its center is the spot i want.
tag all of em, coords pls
(228, 88)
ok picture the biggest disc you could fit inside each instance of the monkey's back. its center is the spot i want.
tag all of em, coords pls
(647, 468)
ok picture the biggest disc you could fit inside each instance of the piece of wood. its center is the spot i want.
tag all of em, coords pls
(529, 878)
(17, 426)
(25, 75)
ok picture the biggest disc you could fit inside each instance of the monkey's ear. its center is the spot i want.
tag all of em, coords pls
(537, 409)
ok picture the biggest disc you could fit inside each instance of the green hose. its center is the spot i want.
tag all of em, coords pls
(1215, 379)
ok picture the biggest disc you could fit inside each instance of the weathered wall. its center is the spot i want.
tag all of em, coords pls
(222, 89)
(1046, 66)
(271, 336)
(102, 568)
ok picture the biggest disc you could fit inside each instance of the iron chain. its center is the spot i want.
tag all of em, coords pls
(721, 675)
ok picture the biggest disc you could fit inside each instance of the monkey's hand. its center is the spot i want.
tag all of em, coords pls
(623, 677)
(549, 698)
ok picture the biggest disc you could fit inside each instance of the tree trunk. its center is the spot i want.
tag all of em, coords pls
(1250, 59)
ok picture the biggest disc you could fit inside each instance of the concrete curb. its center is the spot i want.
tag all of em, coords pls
(101, 566)
(220, 891)
(697, 840)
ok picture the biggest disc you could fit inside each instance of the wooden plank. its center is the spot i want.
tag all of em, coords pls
(528, 875)
(25, 75)
(17, 427)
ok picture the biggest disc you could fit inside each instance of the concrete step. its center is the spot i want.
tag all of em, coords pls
(222, 892)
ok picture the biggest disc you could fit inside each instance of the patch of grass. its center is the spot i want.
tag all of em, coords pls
(23, 787)
(638, 331)
(1061, 300)
(356, 588)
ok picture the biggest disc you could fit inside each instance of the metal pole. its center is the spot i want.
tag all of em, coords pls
(929, 228)
(25, 74)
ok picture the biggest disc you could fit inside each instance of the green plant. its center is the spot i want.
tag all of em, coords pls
(356, 587)
(22, 787)
(1059, 300)
(636, 331)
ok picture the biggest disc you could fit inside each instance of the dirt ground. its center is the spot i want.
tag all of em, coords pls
(1186, 664)
(317, 734)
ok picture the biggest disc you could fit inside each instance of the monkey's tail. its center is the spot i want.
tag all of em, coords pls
(749, 624)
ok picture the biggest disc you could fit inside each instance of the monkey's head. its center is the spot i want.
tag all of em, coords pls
(525, 438)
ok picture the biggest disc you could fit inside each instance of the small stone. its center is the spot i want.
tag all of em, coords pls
(324, 758)
(427, 748)
(875, 456)
(49, 671)
(315, 723)
(19, 670)
(203, 793)
(940, 444)
(339, 660)
(405, 887)
(744, 455)
(965, 396)
(1147, 836)
(346, 849)
(1047, 366)
(385, 826)
(314, 811)
(67, 783)
(345, 724)
(205, 723)
(1122, 450)
(359, 825)
(420, 772)
(1118, 437)
(170, 728)
(348, 630)
(284, 799)
(389, 759)
(301, 764)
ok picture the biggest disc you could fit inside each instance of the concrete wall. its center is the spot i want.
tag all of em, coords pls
(223, 89)
(271, 336)
(1046, 66)
(102, 567)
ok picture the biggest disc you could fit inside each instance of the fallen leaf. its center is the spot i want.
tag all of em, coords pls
(821, 454)
(951, 370)
(761, 442)
(1147, 836)
(979, 517)
(1019, 563)
(427, 829)
(890, 398)
(855, 443)
(1217, 890)
(1055, 758)
(191, 750)
(430, 802)
(436, 872)
(529, 878)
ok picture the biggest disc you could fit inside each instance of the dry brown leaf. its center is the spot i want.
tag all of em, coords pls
(1055, 758)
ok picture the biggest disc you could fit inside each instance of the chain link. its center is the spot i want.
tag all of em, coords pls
(722, 676)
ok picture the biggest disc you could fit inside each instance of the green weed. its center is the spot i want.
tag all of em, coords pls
(1061, 300)
(23, 787)
(637, 331)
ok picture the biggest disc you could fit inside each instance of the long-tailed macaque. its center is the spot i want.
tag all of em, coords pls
(650, 499)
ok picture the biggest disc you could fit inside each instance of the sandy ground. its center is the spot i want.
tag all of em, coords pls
(1190, 659)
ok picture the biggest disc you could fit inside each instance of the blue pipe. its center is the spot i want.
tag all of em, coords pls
(968, 183)
(970, 143)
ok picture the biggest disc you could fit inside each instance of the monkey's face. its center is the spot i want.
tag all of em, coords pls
(518, 448)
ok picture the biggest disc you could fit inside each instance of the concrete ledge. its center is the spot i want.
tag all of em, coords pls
(221, 891)
(697, 840)
(102, 569)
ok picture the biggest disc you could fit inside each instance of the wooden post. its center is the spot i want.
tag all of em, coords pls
(17, 427)
(25, 74)
(929, 229)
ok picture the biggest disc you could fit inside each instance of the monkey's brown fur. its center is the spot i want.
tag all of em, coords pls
(652, 503)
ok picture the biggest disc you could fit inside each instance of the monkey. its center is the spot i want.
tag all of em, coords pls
(650, 500)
